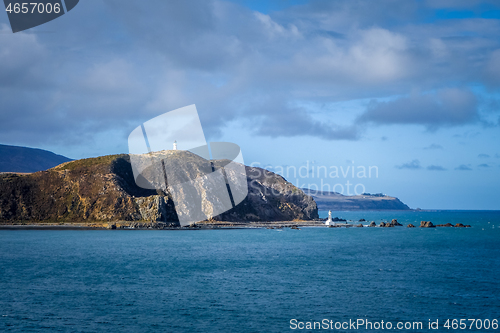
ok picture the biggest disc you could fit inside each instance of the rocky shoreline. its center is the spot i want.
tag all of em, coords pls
(295, 224)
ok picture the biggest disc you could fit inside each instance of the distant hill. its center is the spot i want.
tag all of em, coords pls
(336, 201)
(25, 160)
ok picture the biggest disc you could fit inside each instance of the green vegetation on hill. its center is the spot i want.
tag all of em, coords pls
(89, 162)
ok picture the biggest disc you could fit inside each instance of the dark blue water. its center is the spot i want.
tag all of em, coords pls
(249, 280)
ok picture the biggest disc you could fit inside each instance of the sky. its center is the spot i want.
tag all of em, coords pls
(321, 92)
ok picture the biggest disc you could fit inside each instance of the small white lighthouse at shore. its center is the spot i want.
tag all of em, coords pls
(175, 145)
(329, 221)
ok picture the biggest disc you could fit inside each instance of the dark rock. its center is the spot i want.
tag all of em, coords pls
(362, 220)
(360, 225)
(111, 226)
(372, 224)
(152, 225)
(426, 224)
(395, 222)
(468, 226)
(382, 224)
(445, 225)
(295, 227)
(336, 219)
(459, 225)
(410, 226)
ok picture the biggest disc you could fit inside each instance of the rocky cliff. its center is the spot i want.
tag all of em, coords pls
(104, 189)
(336, 201)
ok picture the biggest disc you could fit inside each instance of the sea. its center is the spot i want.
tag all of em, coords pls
(257, 280)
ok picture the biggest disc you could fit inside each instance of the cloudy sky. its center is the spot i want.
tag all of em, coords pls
(409, 88)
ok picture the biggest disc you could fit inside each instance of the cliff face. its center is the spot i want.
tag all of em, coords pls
(336, 201)
(271, 198)
(103, 189)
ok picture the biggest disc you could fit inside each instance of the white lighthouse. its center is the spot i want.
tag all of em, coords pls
(329, 221)
(175, 145)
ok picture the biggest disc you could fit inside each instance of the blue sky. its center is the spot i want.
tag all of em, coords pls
(408, 87)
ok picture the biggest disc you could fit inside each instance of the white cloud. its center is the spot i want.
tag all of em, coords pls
(436, 168)
(447, 107)
(492, 68)
(132, 61)
(412, 165)
(21, 56)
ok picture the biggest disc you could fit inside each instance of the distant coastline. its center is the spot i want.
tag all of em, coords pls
(337, 202)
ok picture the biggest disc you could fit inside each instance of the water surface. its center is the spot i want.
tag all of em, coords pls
(249, 280)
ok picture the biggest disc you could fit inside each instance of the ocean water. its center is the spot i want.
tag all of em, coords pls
(476, 218)
(252, 280)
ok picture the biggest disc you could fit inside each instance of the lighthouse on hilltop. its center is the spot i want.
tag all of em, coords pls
(175, 145)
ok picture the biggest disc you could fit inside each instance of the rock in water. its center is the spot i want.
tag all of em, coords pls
(426, 224)
(395, 222)
(372, 224)
(410, 226)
